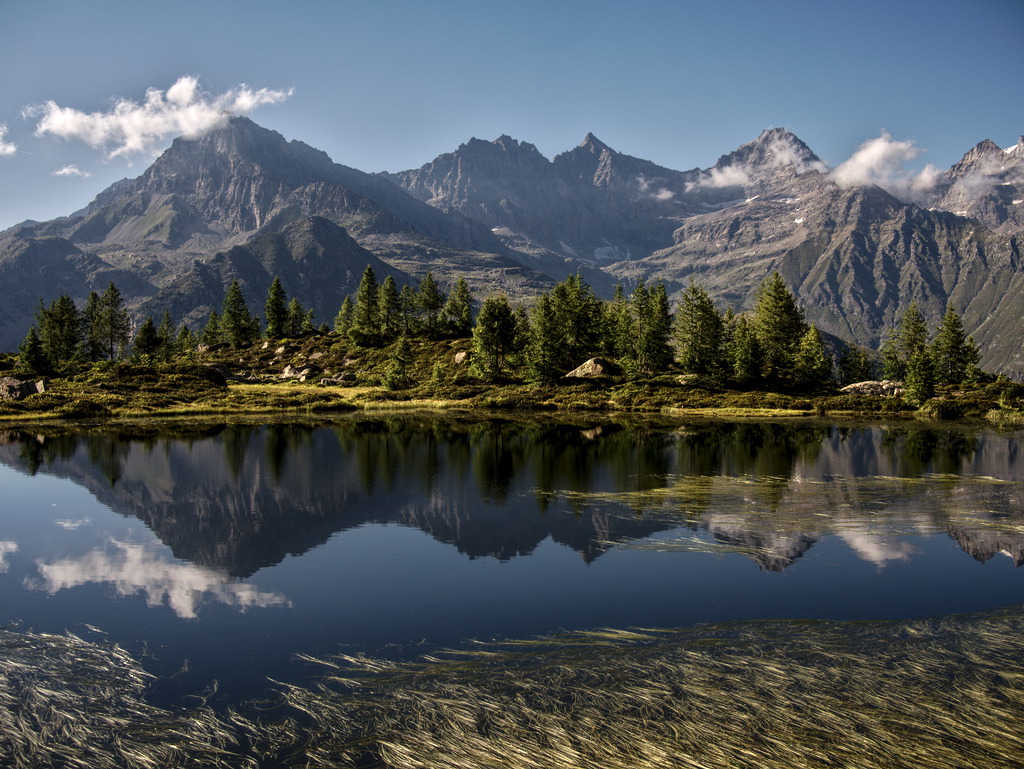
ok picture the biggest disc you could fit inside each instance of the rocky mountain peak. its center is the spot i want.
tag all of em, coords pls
(592, 144)
(774, 148)
(984, 156)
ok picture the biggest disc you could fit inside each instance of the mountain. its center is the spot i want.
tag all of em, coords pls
(243, 203)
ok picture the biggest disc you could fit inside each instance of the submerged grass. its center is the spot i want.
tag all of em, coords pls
(944, 692)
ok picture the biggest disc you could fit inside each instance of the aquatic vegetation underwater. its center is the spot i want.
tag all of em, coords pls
(939, 692)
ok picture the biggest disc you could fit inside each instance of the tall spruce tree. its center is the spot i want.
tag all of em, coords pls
(904, 342)
(854, 366)
(699, 333)
(61, 332)
(168, 341)
(457, 314)
(619, 333)
(653, 321)
(580, 316)
(920, 376)
(298, 320)
(146, 344)
(239, 327)
(778, 324)
(275, 310)
(954, 353)
(543, 354)
(743, 350)
(431, 301)
(494, 337)
(343, 320)
(389, 308)
(813, 366)
(109, 325)
(365, 326)
(31, 356)
(212, 334)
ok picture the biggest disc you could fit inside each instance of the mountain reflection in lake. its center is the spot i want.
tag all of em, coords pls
(225, 550)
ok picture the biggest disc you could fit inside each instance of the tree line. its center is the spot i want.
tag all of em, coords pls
(771, 346)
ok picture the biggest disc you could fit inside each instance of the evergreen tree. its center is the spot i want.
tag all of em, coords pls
(92, 349)
(580, 317)
(61, 332)
(457, 314)
(212, 333)
(494, 337)
(431, 301)
(343, 320)
(743, 350)
(905, 342)
(855, 366)
(239, 327)
(409, 312)
(165, 332)
(396, 376)
(389, 307)
(298, 320)
(186, 342)
(543, 356)
(276, 310)
(920, 379)
(699, 332)
(779, 325)
(619, 334)
(954, 353)
(30, 354)
(653, 328)
(147, 340)
(109, 324)
(813, 366)
(365, 326)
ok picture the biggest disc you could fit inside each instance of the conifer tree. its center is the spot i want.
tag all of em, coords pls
(854, 366)
(457, 314)
(653, 327)
(109, 324)
(61, 332)
(298, 320)
(494, 337)
(239, 327)
(580, 317)
(409, 312)
(165, 332)
(743, 350)
(390, 309)
(542, 358)
(618, 333)
(905, 342)
(431, 301)
(954, 353)
(275, 310)
(813, 366)
(147, 340)
(343, 320)
(185, 343)
(30, 354)
(699, 333)
(212, 334)
(778, 323)
(365, 326)
(920, 376)
(396, 376)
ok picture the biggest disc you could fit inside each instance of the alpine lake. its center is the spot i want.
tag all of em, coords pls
(437, 590)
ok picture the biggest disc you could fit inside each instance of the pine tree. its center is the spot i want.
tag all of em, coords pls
(618, 335)
(542, 358)
(92, 349)
(494, 337)
(396, 376)
(147, 340)
(61, 332)
(212, 333)
(239, 327)
(186, 342)
(653, 328)
(457, 314)
(854, 366)
(298, 320)
(778, 323)
(343, 320)
(905, 342)
(954, 353)
(920, 379)
(743, 350)
(390, 309)
(30, 354)
(431, 301)
(409, 313)
(165, 332)
(275, 310)
(580, 318)
(365, 326)
(109, 324)
(813, 366)
(699, 333)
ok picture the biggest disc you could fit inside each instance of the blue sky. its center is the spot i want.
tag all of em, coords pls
(390, 84)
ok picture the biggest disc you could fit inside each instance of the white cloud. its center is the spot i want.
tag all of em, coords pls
(729, 176)
(783, 151)
(882, 162)
(132, 569)
(6, 548)
(6, 148)
(72, 170)
(129, 128)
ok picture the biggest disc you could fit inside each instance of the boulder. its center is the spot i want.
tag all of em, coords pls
(461, 357)
(886, 387)
(15, 389)
(594, 367)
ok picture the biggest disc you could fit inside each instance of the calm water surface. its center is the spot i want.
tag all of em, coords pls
(219, 552)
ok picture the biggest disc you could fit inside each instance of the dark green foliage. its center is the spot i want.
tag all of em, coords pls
(653, 324)
(91, 344)
(579, 315)
(920, 377)
(238, 326)
(812, 366)
(275, 310)
(494, 337)
(343, 320)
(743, 350)
(147, 340)
(299, 320)
(108, 324)
(211, 333)
(905, 341)
(409, 312)
(430, 300)
(61, 333)
(543, 354)
(457, 314)
(700, 333)
(168, 343)
(389, 307)
(618, 326)
(30, 354)
(855, 366)
(365, 326)
(955, 354)
(186, 342)
(778, 324)
(396, 376)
